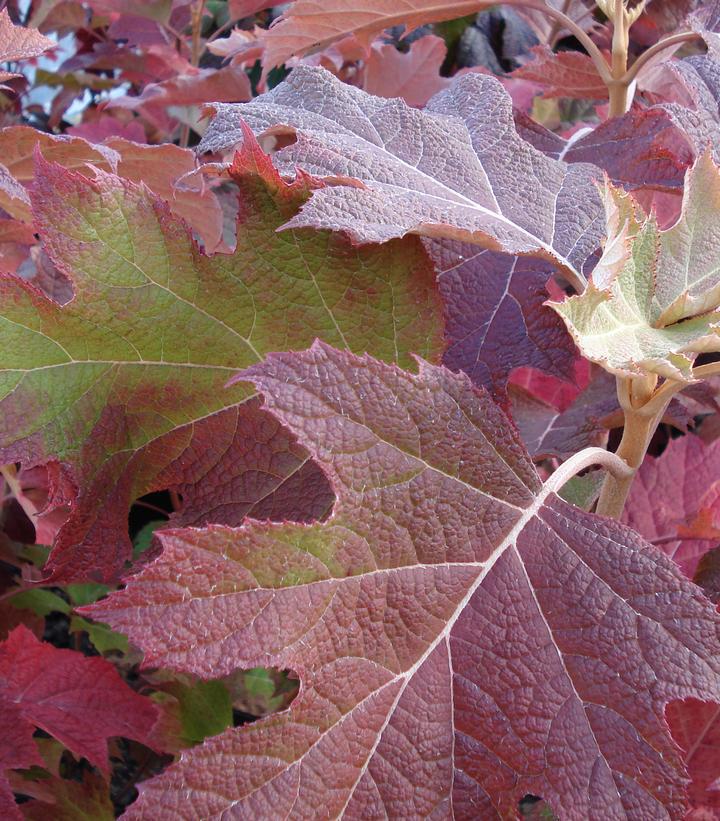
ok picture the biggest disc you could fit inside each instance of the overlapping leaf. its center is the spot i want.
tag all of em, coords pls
(496, 319)
(654, 297)
(127, 382)
(80, 701)
(645, 148)
(311, 24)
(165, 169)
(463, 637)
(456, 170)
(695, 726)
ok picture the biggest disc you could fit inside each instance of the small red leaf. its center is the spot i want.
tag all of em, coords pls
(80, 701)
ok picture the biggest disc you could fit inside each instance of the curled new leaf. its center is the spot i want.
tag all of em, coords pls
(653, 302)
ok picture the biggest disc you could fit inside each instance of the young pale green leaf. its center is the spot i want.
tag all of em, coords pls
(654, 299)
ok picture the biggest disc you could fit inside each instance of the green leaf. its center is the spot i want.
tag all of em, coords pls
(143, 537)
(102, 637)
(41, 602)
(205, 709)
(86, 593)
(653, 302)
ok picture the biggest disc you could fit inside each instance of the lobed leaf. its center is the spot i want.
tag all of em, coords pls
(457, 170)
(463, 637)
(81, 701)
(126, 383)
(18, 43)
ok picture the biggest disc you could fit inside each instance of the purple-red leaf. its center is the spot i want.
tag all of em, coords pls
(18, 43)
(695, 726)
(462, 636)
(675, 500)
(496, 319)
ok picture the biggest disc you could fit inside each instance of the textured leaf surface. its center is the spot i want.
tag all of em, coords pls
(654, 296)
(675, 500)
(695, 726)
(457, 170)
(411, 616)
(80, 701)
(496, 319)
(127, 382)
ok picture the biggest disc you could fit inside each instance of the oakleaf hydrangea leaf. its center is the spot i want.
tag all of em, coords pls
(126, 383)
(654, 298)
(463, 637)
(456, 170)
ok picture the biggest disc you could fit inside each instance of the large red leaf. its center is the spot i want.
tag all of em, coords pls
(81, 701)
(675, 500)
(462, 636)
(456, 170)
(496, 319)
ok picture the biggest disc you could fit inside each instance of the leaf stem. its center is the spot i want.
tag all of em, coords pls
(586, 458)
(643, 408)
(618, 85)
(658, 48)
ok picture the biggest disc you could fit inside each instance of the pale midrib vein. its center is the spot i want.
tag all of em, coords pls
(131, 362)
(461, 201)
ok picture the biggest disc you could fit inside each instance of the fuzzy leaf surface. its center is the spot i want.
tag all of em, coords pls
(654, 297)
(456, 170)
(410, 616)
(126, 383)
